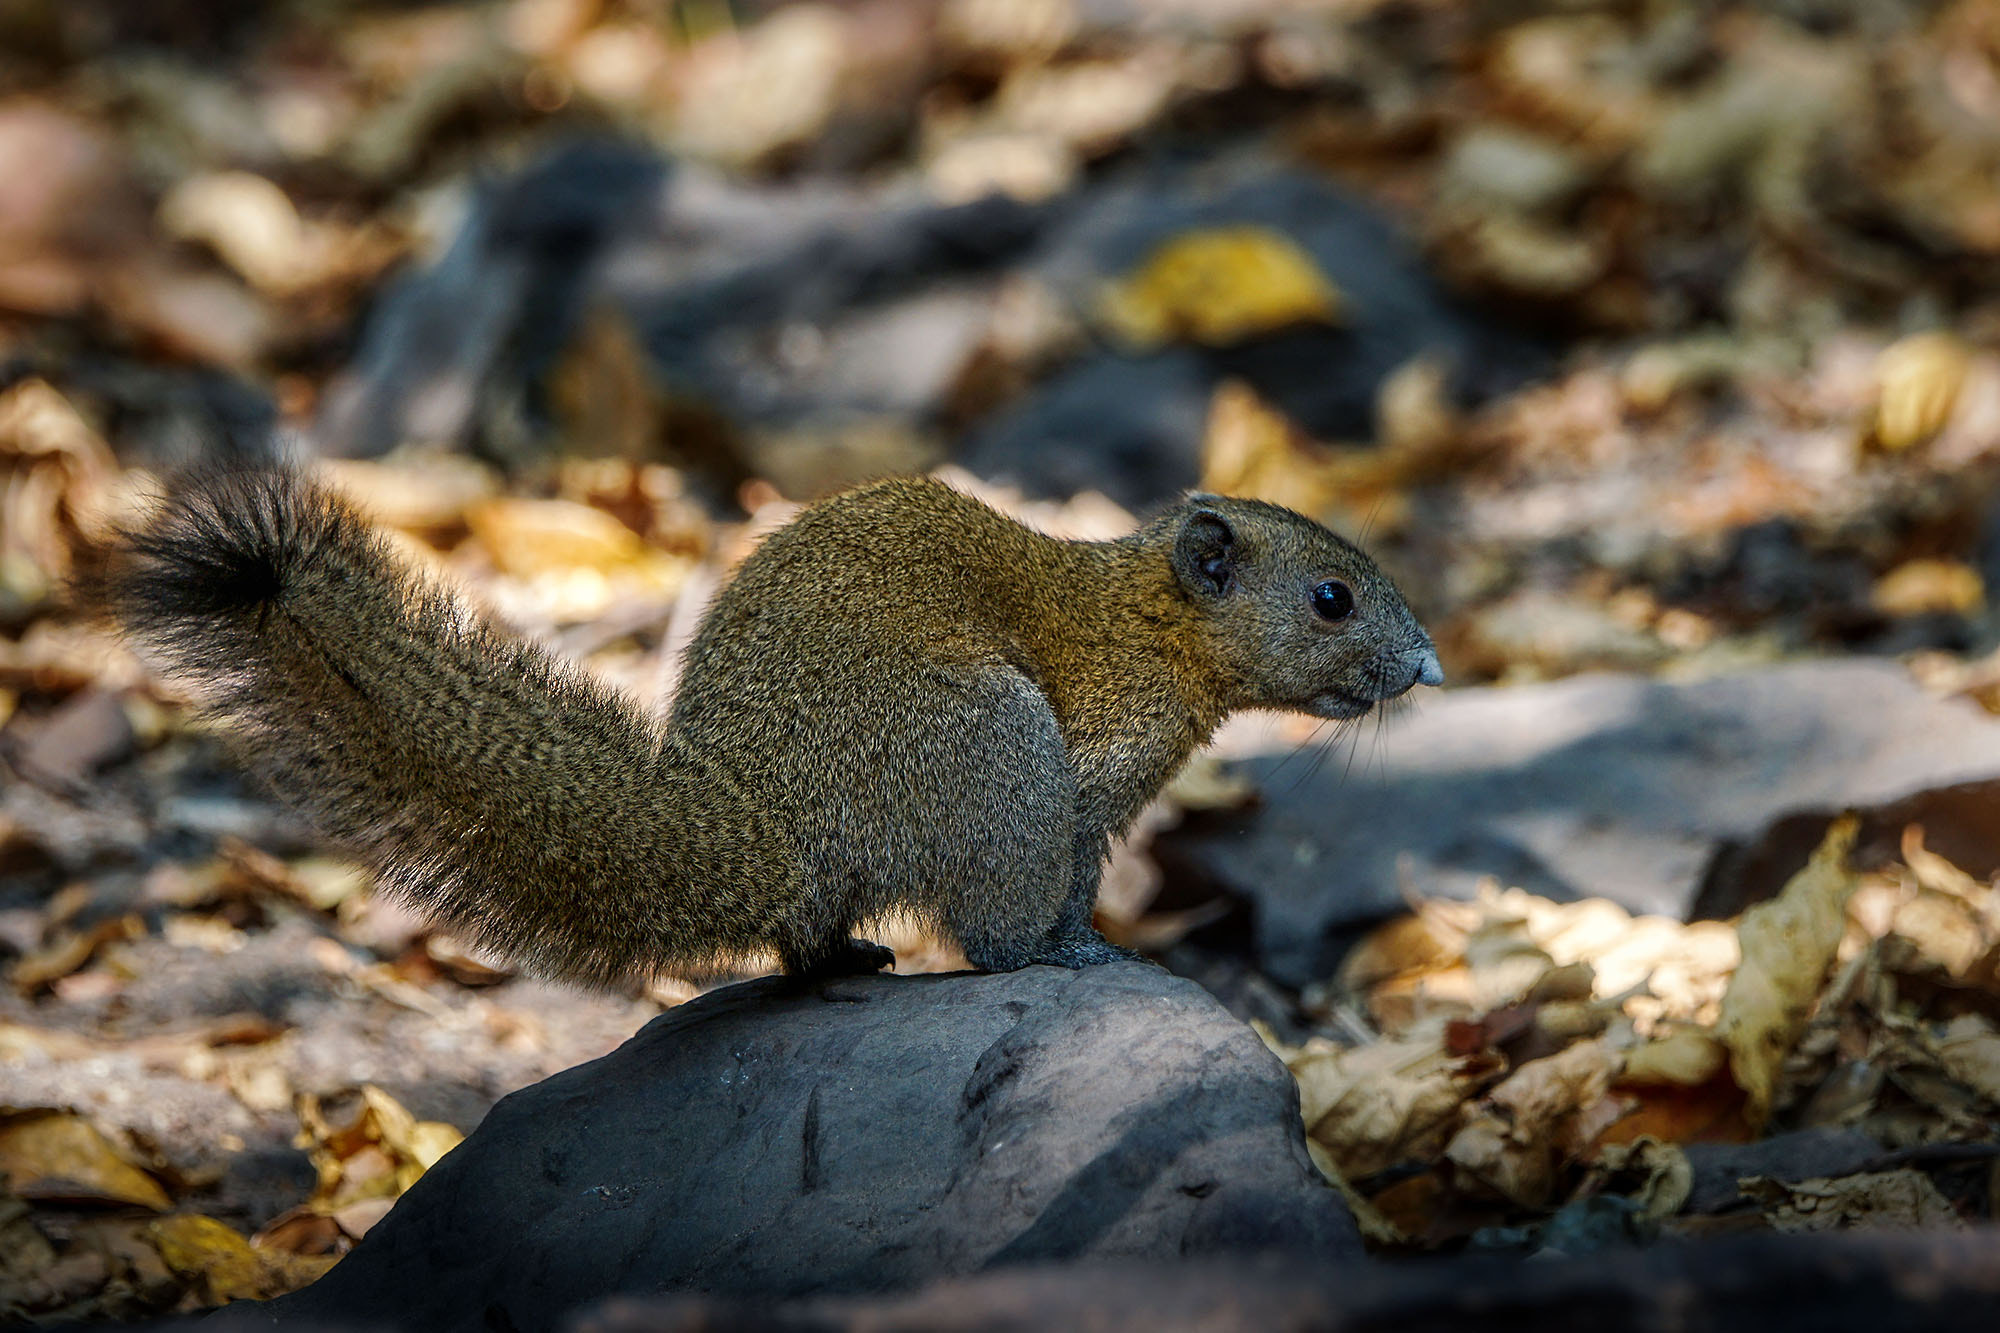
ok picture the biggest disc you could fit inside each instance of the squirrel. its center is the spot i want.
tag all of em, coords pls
(903, 701)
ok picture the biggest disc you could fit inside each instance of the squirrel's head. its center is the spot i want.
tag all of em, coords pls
(1296, 616)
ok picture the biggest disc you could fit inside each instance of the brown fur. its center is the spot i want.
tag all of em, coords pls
(904, 701)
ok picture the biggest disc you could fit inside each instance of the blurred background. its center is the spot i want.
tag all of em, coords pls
(1637, 335)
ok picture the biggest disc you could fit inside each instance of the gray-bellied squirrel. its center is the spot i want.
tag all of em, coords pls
(903, 701)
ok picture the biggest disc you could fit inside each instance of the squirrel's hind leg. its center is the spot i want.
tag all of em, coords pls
(836, 958)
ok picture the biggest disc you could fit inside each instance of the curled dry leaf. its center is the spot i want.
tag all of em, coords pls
(1375, 1106)
(37, 971)
(1090, 106)
(748, 94)
(1685, 1057)
(425, 493)
(1788, 944)
(245, 219)
(1662, 1174)
(1945, 932)
(1938, 875)
(1376, 1226)
(1517, 1139)
(1248, 448)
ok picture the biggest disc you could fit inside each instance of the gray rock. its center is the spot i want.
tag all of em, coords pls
(1620, 787)
(863, 1135)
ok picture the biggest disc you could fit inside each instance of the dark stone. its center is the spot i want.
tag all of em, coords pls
(862, 1135)
(1626, 788)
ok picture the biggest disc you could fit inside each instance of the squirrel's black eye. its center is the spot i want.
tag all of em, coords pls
(1333, 600)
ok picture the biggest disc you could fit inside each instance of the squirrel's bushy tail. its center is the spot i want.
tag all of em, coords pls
(499, 789)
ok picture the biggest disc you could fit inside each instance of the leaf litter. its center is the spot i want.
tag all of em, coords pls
(1528, 1057)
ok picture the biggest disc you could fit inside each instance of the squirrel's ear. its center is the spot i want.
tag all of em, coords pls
(1205, 554)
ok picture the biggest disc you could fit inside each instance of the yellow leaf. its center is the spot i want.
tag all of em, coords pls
(1919, 379)
(1686, 1057)
(1788, 944)
(1219, 286)
(212, 1254)
(529, 537)
(60, 1156)
(378, 1154)
(1921, 587)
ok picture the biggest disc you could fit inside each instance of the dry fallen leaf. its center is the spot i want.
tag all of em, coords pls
(1925, 587)
(1665, 1178)
(214, 1257)
(1375, 1106)
(1918, 378)
(56, 1155)
(1518, 1137)
(574, 561)
(376, 1155)
(1788, 944)
(1685, 1057)
(1218, 287)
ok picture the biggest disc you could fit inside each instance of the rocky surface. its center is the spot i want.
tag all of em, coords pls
(1620, 787)
(1863, 1281)
(767, 1141)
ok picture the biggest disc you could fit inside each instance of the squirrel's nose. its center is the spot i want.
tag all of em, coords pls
(1430, 671)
